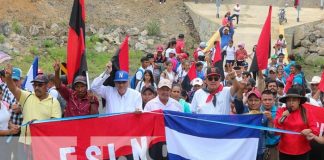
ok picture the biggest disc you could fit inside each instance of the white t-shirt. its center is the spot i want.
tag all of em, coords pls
(167, 52)
(4, 116)
(230, 52)
(223, 102)
(156, 104)
(170, 76)
(236, 10)
(53, 92)
(139, 74)
(115, 103)
(150, 67)
(141, 84)
(313, 101)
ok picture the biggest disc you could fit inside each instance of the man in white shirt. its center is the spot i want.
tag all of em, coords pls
(119, 98)
(236, 12)
(314, 96)
(163, 100)
(214, 99)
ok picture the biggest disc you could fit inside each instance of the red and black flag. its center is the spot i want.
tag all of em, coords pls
(217, 59)
(263, 50)
(76, 59)
(120, 61)
(321, 84)
(192, 74)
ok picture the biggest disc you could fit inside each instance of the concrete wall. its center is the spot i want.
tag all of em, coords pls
(290, 31)
(305, 3)
(204, 26)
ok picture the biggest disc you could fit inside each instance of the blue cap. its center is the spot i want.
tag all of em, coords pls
(16, 74)
(121, 76)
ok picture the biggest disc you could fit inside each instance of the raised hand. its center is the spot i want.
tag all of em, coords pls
(108, 67)
(56, 66)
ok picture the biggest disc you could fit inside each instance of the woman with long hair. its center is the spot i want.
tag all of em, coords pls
(168, 73)
(295, 117)
(147, 81)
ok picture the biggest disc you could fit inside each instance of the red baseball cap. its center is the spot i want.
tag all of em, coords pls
(159, 48)
(255, 92)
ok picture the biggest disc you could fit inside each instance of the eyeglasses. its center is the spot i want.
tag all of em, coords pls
(38, 85)
(314, 84)
(215, 78)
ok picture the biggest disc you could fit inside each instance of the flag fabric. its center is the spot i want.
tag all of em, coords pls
(120, 61)
(210, 43)
(218, 61)
(321, 84)
(76, 57)
(128, 136)
(188, 138)
(192, 74)
(263, 50)
(31, 74)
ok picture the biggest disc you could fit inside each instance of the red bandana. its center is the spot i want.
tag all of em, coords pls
(211, 95)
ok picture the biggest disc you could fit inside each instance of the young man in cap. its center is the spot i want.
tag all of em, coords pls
(148, 93)
(119, 98)
(79, 100)
(163, 100)
(36, 105)
(197, 84)
(214, 99)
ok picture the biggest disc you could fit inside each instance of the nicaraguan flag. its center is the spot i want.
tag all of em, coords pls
(32, 73)
(201, 137)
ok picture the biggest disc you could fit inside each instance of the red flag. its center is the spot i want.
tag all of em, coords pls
(264, 43)
(76, 60)
(120, 61)
(217, 53)
(321, 84)
(192, 74)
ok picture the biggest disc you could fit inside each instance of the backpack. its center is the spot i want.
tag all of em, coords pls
(133, 79)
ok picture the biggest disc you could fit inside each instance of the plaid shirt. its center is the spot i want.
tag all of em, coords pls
(16, 118)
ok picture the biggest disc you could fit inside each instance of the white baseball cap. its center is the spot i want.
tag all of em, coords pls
(315, 80)
(197, 81)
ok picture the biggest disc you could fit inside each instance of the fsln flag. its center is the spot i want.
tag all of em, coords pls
(194, 136)
(192, 74)
(263, 49)
(321, 85)
(76, 58)
(120, 61)
(31, 74)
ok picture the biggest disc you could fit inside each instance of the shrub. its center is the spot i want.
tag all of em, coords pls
(48, 43)
(34, 50)
(2, 38)
(153, 28)
(16, 27)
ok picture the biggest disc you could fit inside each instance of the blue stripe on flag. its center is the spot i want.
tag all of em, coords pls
(212, 130)
(175, 157)
(31, 74)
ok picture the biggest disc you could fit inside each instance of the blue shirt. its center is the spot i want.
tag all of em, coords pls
(271, 139)
(298, 79)
(287, 68)
(201, 75)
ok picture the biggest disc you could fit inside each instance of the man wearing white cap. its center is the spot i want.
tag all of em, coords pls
(314, 96)
(163, 100)
(197, 84)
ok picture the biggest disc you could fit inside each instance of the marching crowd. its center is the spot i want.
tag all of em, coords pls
(278, 93)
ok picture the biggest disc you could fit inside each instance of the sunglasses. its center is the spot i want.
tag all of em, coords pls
(215, 78)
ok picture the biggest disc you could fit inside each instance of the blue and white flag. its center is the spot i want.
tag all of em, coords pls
(201, 137)
(31, 74)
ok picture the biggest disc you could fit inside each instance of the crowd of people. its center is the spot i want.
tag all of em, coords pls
(278, 93)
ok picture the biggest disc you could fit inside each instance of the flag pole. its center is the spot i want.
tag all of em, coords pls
(88, 80)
